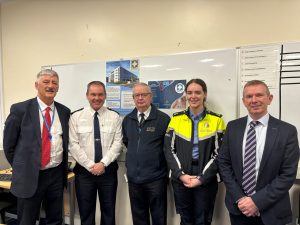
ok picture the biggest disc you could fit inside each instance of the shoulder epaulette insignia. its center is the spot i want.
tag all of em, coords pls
(213, 113)
(179, 113)
(76, 110)
(113, 110)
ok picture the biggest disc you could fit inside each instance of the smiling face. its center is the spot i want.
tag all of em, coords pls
(47, 87)
(256, 99)
(96, 96)
(196, 97)
(142, 97)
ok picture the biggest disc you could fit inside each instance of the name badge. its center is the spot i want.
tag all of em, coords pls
(150, 129)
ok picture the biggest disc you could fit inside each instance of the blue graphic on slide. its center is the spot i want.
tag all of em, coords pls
(167, 93)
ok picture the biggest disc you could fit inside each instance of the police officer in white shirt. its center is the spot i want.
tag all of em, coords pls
(95, 142)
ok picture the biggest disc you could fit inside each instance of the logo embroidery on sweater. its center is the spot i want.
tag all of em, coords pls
(150, 129)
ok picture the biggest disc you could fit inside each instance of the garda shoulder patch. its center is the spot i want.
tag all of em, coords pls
(180, 113)
(77, 110)
(213, 113)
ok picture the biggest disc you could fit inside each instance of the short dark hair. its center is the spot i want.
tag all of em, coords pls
(197, 81)
(95, 82)
(257, 82)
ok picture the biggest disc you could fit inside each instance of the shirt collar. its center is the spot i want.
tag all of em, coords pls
(43, 106)
(92, 111)
(196, 116)
(146, 113)
(263, 120)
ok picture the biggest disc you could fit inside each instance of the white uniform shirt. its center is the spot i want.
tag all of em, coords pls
(56, 154)
(81, 136)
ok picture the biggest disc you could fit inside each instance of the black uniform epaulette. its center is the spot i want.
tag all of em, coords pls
(213, 113)
(113, 110)
(77, 110)
(180, 113)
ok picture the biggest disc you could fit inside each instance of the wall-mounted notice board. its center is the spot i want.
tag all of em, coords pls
(217, 68)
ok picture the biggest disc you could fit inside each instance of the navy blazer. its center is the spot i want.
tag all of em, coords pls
(22, 145)
(276, 174)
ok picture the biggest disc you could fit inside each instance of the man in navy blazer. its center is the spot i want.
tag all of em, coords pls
(32, 181)
(275, 168)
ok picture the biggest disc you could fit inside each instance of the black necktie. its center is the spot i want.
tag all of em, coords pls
(98, 147)
(142, 115)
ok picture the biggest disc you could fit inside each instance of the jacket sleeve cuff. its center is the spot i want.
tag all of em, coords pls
(178, 173)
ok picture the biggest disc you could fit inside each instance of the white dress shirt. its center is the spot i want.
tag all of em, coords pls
(146, 114)
(261, 132)
(81, 136)
(56, 155)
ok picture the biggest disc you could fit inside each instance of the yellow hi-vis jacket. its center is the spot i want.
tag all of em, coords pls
(178, 146)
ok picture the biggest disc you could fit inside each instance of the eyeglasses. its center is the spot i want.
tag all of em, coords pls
(143, 95)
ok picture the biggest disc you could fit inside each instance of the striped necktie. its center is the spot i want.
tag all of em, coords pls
(142, 120)
(249, 167)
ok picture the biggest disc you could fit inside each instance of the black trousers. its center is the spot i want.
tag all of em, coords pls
(244, 220)
(50, 192)
(88, 185)
(147, 197)
(195, 205)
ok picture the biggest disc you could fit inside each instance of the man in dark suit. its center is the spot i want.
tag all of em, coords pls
(35, 144)
(258, 162)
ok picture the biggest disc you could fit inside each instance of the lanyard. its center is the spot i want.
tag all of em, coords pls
(45, 121)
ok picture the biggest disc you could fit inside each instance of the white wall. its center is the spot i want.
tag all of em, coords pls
(47, 32)
(1, 92)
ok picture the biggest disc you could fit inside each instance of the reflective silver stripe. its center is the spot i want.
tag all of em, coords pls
(208, 165)
(217, 142)
(206, 137)
(173, 152)
(183, 137)
(215, 153)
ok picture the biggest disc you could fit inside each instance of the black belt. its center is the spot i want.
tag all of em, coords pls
(195, 162)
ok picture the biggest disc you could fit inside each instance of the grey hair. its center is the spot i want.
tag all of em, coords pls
(45, 72)
(142, 84)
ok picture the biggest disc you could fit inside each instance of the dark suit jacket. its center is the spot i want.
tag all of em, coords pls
(22, 145)
(277, 171)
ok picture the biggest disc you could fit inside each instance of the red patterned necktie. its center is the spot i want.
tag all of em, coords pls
(46, 142)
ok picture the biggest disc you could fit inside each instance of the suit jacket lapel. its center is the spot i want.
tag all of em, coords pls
(270, 139)
(61, 117)
(35, 118)
(239, 140)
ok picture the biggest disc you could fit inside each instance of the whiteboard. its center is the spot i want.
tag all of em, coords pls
(73, 80)
(290, 94)
(219, 73)
(285, 104)
(260, 62)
